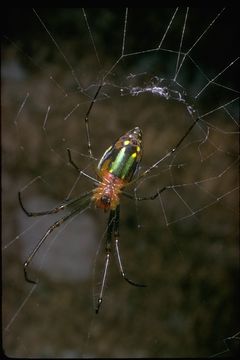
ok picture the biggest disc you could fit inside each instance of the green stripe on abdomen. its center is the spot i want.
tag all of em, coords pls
(125, 163)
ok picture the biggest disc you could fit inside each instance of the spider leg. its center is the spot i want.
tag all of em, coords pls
(40, 213)
(151, 197)
(116, 237)
(55, 210)
(170, 153)
(78, 203)
(87, 134)
(108, 250)
(71, 160)
(77, 168)
(86, 120)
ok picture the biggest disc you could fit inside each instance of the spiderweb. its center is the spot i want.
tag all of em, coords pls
(161, 70)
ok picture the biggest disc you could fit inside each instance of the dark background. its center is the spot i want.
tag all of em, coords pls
(191, 266)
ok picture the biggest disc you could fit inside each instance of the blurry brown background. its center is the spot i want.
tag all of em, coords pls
(190, 266)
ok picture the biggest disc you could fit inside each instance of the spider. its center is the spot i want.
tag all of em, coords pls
(116, 171)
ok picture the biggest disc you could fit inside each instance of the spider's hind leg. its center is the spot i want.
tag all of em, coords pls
(143, 198)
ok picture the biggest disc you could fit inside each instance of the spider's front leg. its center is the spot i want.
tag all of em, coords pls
(75, 206)
(108, 250)
(39, 213)
(41, 241)
(116, 237)
(113, 229)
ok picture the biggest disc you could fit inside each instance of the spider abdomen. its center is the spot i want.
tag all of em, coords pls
(123, 157)
(117, 167)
